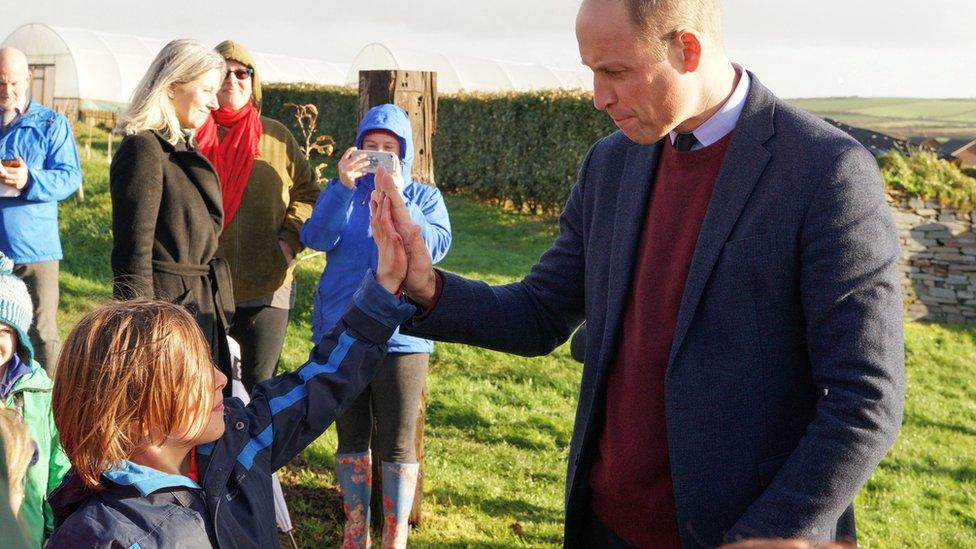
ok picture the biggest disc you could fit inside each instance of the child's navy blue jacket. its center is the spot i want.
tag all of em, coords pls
(144, 508)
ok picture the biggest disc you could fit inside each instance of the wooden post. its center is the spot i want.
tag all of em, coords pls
(109, 146)
(416, 93)
(88, 142)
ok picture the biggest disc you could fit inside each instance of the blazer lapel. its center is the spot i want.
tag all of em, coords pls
(633, 192)
(744, 162)
(204, 177)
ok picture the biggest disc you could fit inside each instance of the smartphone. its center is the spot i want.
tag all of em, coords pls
(379, 159)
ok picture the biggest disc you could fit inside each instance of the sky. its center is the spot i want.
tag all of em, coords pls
(798, 48)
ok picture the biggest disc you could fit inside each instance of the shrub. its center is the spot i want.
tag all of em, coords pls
(519, 149)
(922, 174)
(336, 110)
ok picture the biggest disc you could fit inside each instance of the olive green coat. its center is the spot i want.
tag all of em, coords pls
(277, 200)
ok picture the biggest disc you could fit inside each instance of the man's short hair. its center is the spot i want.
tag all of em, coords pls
(655, 20)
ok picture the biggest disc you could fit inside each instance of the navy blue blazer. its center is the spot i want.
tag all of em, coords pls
(785, 382)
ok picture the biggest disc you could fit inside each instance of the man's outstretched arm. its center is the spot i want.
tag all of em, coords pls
(529, 317)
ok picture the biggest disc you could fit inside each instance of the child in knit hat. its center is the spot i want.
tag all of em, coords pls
(26, 389)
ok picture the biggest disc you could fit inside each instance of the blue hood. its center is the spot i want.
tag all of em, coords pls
(391, 118)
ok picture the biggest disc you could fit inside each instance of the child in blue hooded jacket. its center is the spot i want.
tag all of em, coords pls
(159, 459)
(339, 226)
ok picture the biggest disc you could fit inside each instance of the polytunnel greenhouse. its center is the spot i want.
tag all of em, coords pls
(461, 73)
(80, 69)
(85, 70)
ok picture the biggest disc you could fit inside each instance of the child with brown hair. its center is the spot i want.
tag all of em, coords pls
(25, 390)
(160, 458)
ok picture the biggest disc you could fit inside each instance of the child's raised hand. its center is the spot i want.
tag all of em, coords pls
(420, 280)
(391, 266)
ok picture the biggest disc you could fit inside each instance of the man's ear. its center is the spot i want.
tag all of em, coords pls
(687, 50)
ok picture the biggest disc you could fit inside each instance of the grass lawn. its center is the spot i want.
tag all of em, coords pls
(498, 426)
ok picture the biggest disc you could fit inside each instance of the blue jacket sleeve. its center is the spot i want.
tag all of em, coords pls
(61, 173)
(430, 214)
(288, 412)
(324, 227)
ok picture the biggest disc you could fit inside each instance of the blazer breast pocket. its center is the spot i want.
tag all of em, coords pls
(749, 248)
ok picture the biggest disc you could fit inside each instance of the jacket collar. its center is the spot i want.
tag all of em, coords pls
(633, 193)
(744, 163)
(179, 146)
(146, 479)
(33, 380)
(14, 371)
(32, 116)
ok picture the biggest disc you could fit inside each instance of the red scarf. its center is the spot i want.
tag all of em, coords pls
(233, 156)
(192, 469)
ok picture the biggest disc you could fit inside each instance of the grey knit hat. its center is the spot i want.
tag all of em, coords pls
(16, 309)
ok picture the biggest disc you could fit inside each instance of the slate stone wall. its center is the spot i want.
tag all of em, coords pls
(938, 264)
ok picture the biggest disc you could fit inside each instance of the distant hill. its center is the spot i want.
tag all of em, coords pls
(899, 117)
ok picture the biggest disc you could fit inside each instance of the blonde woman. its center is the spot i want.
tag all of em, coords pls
(167, 210)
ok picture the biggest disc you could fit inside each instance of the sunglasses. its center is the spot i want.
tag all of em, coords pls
(240, 74)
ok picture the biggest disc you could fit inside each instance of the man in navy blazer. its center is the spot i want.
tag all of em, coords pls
(779, 385)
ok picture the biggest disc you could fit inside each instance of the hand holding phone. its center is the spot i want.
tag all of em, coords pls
(356, 163)
(13, 173)
(378, 159)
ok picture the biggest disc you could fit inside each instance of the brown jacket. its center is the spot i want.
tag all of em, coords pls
(277, 200)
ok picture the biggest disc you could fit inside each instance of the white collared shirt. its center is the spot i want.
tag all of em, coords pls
(722, 122)
(19, 111)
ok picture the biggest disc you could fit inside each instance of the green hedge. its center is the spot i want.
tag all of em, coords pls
(516, 149)
(520, 149)
(336, 105)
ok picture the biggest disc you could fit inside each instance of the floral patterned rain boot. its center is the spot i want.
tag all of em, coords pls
(399, 485)
(355, 474)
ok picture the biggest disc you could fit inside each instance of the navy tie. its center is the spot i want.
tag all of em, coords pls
(684, 142)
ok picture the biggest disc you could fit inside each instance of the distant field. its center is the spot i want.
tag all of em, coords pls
(899, 117)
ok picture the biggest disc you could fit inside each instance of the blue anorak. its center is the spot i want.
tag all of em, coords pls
(41, 138)
(339, 226)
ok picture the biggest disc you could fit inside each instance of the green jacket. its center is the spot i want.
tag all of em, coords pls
(31, 394)
(277, 200)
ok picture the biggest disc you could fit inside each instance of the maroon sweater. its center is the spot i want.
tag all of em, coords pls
(631, 476)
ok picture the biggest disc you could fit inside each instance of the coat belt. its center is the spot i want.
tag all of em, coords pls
(221, 286)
